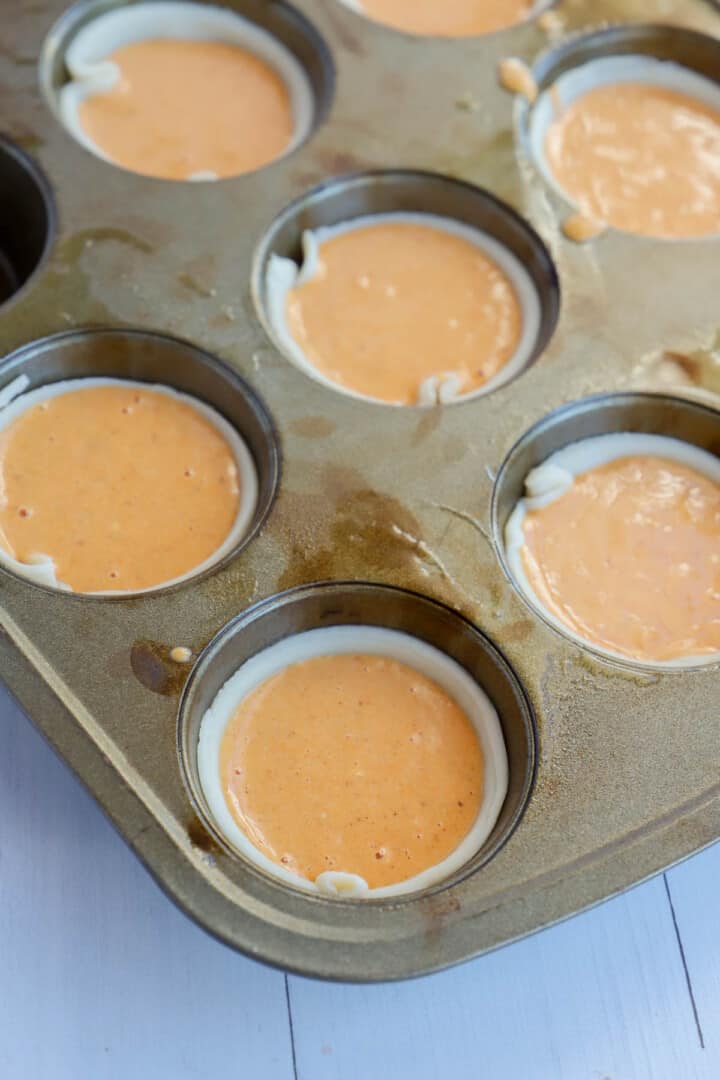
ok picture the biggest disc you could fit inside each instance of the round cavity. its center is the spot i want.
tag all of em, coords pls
(288, 259)
(349, 618)
(659, 83)
(139, 85)
(458, 19)
(159, 365)
(587, 435)
(27, 228)
(363, 641)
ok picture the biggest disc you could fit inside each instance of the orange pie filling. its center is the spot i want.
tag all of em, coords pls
(451, 18)
(405, 309)
(634, 144)
(117, 486)
(353, 771)
(618, 541)
(192, 93)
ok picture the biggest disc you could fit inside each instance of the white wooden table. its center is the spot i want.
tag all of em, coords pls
(101, 978)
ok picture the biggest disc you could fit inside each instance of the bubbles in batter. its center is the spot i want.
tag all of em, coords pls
(110, 485)
(618, 541)
(183, 91)
(405, 309)
(353, 760)
(633, 143)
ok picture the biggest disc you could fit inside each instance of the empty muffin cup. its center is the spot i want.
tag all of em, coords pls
(27, 226)
(395, 768)
(187, 91)
(117, 484)
(406, 288)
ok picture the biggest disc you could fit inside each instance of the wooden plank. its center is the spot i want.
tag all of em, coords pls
(602, 996)
(101, 976)
(694, 889)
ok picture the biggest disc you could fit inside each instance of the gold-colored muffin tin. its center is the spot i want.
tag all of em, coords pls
(625, 761)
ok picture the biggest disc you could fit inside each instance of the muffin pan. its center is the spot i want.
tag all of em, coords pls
(399, 512)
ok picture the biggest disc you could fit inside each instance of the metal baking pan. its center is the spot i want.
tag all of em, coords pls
(614, 772)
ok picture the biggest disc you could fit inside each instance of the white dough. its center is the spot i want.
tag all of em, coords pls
(91, 73)
(547, 482)
(284, 274)
(13, 403)
(343, 640)
(604, 72)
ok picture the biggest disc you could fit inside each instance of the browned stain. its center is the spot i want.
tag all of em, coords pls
(14, 107)
(157, 233)
(68, 286)
(200, 838)
(12, 56)
(436, 910)
(549, 785)
(221, 321)
(367, 533)
(690, 365)
(427, 424)
(326, 163)
(701, 365)
(338, 161)
(496, 592)
(312, 427)
(73, 248)
(25, 137)
(363, 541)
(198, 275)
(153, 667)
(439, 906)
(519, 630)
(194, 286)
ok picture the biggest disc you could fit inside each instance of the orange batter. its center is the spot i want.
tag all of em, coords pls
(352, 763)
(448, 18)
(642, 158)
(629, 558)
(395, 303)
(185, 107)
(122, 487)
